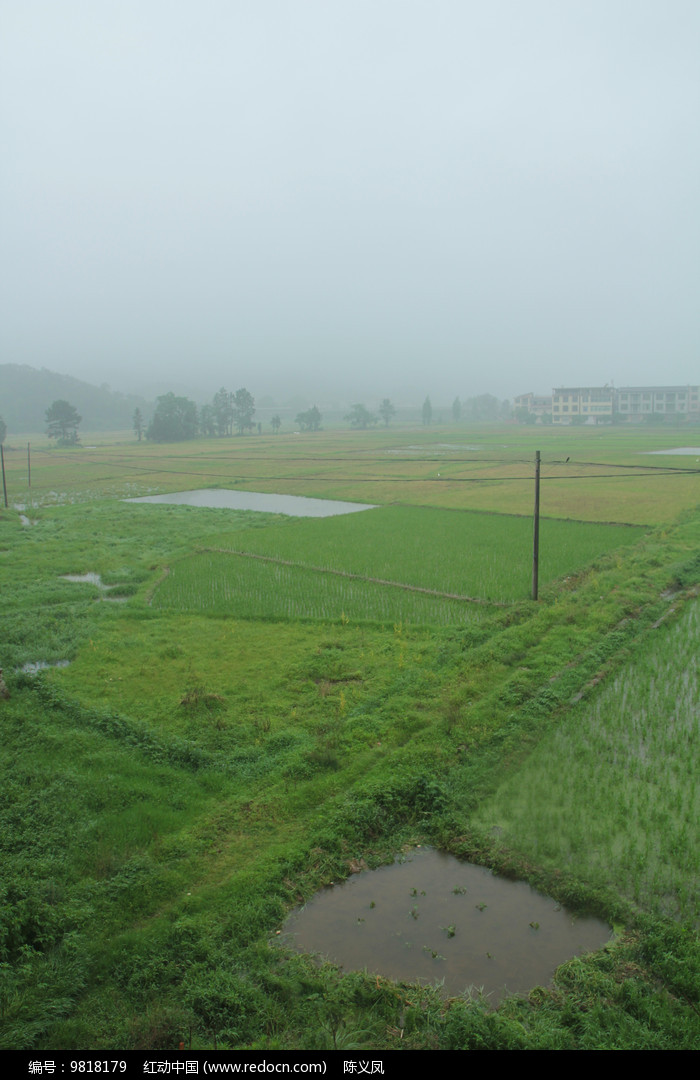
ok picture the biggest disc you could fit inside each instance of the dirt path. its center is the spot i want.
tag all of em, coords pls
(151, 592)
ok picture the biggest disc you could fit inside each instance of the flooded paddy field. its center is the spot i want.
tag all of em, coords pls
(432, 918)
(293, 505)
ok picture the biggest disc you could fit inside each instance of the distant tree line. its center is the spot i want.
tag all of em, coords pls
(480, 409)
(309, 420)
(360, 417)
(486, 407)
(177, 418)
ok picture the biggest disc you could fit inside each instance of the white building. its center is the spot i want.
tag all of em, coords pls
(539, 404)
(637, 402)
(593, 403)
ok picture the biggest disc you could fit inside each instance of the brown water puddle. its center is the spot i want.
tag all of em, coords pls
(431, 918)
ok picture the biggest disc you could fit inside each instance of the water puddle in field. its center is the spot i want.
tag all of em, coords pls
(431, 918)
(86, 579)
(292, 505)
(24, 519)
(92, 578)
(680, 451)
(433, 448)
(31, 668)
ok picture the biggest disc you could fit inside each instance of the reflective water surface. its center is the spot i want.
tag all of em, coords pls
(293, 505)
(31, 667)
(432, 918)
(91, 578)
(678, 451)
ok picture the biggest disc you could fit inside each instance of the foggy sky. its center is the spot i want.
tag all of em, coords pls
(351, 197)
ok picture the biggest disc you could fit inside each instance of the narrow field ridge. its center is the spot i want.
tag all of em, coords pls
(357, 577)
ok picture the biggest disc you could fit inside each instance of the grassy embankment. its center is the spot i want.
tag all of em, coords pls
(192, 774)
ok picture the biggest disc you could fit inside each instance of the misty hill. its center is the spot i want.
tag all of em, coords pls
(26, 393)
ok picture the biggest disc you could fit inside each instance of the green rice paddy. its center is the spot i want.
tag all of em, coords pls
(461, 555)
(613, 791)
(226, 584)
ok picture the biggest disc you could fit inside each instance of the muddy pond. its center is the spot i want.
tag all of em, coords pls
(293, 505)
(430, 918)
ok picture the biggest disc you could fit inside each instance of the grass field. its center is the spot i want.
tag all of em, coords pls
(609, 476)
(235, 733)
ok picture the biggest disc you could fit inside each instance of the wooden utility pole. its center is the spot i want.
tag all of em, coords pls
(536, 533)
(29, 466)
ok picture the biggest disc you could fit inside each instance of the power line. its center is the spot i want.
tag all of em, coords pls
(232, 475)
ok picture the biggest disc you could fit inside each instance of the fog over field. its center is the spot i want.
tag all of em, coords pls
(351, 197)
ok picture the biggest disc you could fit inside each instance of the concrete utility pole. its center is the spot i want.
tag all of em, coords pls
(536, 534)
